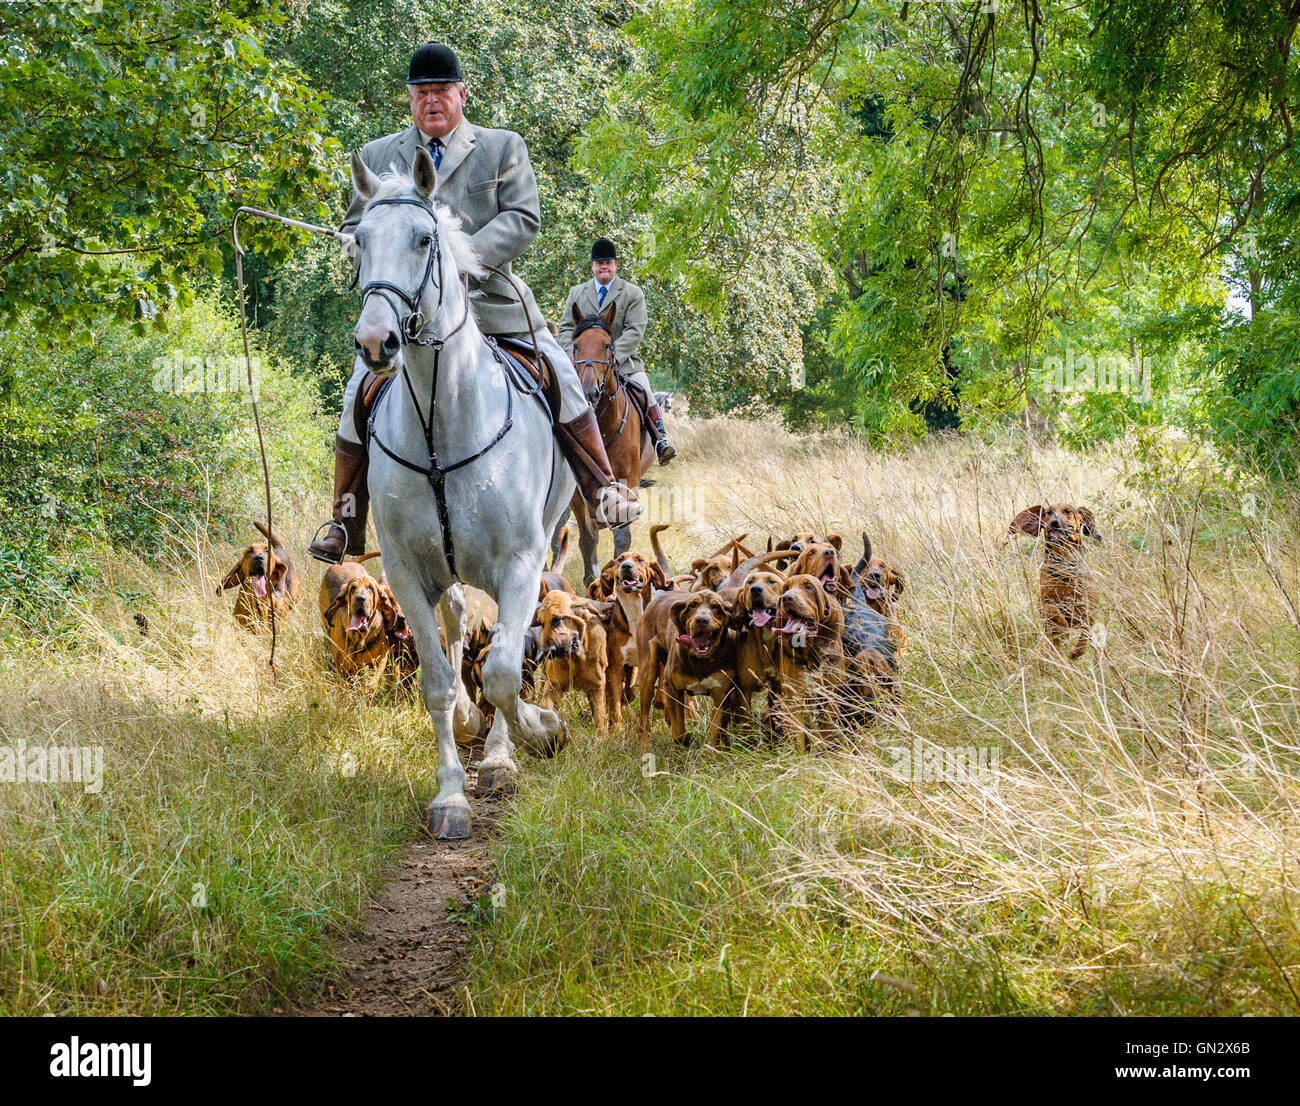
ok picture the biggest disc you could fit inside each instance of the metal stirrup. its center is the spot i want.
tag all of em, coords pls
(628, 496)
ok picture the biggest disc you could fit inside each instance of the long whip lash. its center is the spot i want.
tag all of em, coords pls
(248, 367)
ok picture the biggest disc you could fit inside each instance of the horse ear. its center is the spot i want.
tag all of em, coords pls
(426, 176)
(577, 314)
(364, 182)
(608, 317)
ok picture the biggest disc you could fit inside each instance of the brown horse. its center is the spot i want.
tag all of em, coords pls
(630, 449)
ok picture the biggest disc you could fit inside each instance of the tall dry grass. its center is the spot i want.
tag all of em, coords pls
(1135, 850)
(243, 824)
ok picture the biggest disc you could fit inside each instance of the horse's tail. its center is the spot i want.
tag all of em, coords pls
(659, 553)
(562, 551)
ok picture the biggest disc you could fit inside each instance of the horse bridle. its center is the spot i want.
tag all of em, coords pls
(411, 329)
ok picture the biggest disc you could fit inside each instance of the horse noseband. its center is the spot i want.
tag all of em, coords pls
(410, 325)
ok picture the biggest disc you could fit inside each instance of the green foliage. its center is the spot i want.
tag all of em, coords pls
(134, 443)
(131, 133)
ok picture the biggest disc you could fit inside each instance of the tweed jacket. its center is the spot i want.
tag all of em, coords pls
(630, 318)
(486, 179)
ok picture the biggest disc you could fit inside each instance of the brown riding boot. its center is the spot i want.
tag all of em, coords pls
(346, 531)
(610, 503)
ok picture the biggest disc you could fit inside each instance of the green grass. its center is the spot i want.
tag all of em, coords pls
(230, 849)
(1138, 855)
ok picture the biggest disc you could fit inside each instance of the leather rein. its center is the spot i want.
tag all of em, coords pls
(412, 331)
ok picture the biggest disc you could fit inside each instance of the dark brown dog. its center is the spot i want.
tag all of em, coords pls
(810, 660)
(574, 652)
(264, 577)
(1066, 597)
(685, 646)
(351, 609)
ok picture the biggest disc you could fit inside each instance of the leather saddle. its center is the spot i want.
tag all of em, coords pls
(517, 356)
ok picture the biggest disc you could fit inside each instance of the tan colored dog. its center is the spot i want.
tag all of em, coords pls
(352, 610)
(574, 652)
(810, 660)
(685, 645)
(403, 655)
(264, 577)
(824, 559)
(755, 615)
(1067, 600)
(629, 581)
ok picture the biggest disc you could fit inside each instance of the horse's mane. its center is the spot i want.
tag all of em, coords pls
(592, 322)
(393, 184)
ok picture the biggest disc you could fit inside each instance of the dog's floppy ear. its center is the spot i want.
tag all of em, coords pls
(543, 588)
(836, 541)
(1089, 524)
(537, 616)
(899, 581)
(278, 571)
(678, 611)
(234, 577)
(1029, 521)
(594, 610)
(836, 622)
(338, 602)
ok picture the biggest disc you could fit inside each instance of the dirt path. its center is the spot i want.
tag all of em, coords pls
(410, 960)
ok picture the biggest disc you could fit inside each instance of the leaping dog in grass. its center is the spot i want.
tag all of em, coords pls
(1067, 600)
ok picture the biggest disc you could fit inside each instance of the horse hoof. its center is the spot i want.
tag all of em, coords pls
(496, 779)
(558, 742)
(449, 823)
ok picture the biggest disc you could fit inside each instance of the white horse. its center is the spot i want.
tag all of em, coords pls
(466, 479)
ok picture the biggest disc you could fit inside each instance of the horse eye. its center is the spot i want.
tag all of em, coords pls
(426, 240)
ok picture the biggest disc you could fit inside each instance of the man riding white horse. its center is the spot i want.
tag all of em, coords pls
(485, 177)
(607, 289)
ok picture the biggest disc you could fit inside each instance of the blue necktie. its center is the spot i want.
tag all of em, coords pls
(600, 295)
(435, 151)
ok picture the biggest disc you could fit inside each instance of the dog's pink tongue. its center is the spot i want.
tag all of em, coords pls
(685, 639)
(357, 623)
(259, 585)
(762, 618)
(873, 593)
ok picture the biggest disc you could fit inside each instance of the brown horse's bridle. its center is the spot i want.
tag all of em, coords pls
(600, 397)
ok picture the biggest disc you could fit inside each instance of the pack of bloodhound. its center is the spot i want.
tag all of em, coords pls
(818, 635)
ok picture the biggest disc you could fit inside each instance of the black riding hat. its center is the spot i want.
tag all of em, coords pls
(603, 250)
(433, 63)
